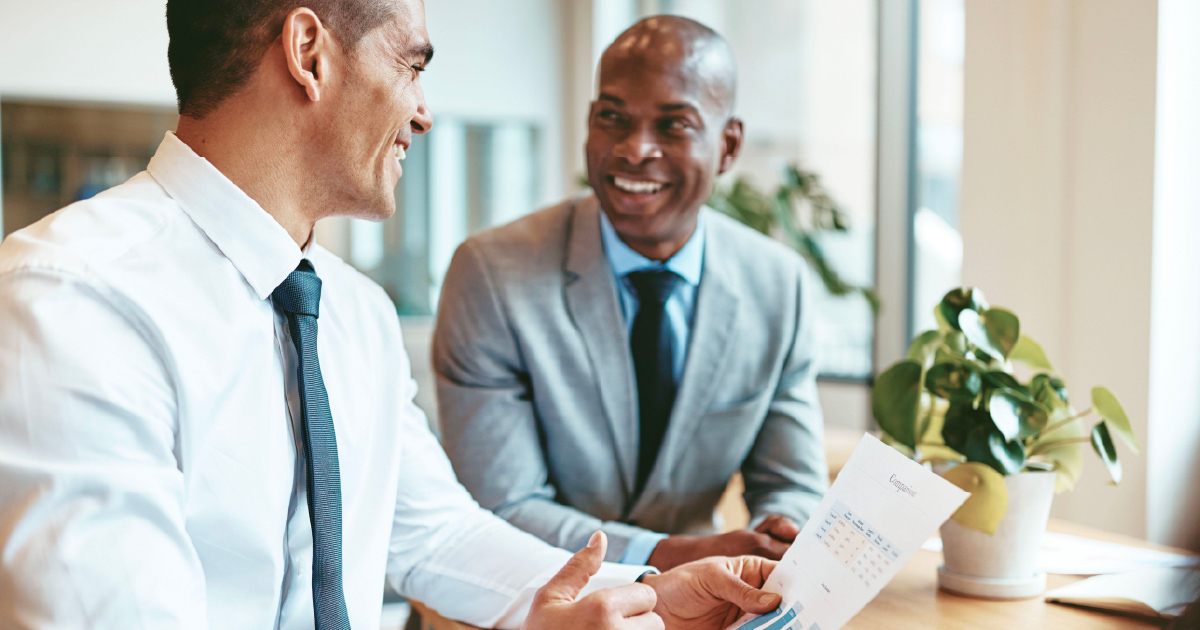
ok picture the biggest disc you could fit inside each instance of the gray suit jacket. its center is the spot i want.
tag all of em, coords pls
(537, 395)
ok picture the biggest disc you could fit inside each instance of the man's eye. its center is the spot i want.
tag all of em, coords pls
(677, 124)
(419, 69)
(608, 114)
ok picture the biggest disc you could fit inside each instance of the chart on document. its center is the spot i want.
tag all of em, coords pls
(875, 516)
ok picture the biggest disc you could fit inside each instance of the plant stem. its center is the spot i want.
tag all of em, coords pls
(1057, 443)
(1063, 423)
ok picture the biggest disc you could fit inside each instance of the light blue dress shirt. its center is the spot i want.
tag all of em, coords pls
(680, 309)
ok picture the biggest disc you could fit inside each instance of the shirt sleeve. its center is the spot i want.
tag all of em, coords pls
(456, 557)
(641, 547)
(91, 518)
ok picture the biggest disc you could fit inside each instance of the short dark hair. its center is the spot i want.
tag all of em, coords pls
(215, 45)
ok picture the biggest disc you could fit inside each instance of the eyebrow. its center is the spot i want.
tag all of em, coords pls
(421, 50)
(675, 107)
(669, 107)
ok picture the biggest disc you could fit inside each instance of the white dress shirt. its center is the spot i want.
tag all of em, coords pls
(149, 475)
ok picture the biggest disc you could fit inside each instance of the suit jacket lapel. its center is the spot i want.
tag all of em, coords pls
(591, 294)
(710, 342)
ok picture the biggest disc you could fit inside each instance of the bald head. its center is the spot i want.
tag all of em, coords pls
(661, 130)
(679, 46)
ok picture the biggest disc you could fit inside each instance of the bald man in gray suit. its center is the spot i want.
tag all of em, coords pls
(610, 362)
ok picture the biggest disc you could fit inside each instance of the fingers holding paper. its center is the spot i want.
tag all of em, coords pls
(711, 594)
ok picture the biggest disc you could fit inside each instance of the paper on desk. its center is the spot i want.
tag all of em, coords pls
(878, 512)
(1160, 592)
(1074, 555)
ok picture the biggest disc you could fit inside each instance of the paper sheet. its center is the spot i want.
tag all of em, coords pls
(1074, 555)
(1160, 592)
(878, 512)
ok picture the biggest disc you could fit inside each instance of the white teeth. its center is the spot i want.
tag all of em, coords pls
(634, 186)
(400, 152)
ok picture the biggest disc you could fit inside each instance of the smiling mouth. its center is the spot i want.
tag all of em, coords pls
(635, 186)
(398, 148)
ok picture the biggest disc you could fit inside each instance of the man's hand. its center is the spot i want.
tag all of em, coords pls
(710, 594)
(780, 528)
(770, 539)
(554, 607)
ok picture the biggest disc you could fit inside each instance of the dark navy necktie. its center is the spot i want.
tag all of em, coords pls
(299, 296)
(652, 344)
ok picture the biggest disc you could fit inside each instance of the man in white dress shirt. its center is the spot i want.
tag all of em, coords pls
(174, 454)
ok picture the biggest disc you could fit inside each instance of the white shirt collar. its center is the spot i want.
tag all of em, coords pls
(257, 245)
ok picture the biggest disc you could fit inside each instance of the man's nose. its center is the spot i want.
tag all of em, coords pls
(422, 122)
(638, 146)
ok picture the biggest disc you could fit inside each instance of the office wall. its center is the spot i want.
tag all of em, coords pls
(1058, 203)
(85, 50)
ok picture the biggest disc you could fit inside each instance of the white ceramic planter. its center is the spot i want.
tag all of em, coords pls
(1004, 565)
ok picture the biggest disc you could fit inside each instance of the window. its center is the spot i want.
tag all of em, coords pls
(937, 249)
(461, 177)
(807, 94)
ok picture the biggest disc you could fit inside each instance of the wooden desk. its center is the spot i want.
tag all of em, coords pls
(912, 600)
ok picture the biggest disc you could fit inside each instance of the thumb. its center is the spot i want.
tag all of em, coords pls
(732, 589)
(566, 585)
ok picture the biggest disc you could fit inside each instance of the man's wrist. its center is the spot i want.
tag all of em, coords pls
(641, 547)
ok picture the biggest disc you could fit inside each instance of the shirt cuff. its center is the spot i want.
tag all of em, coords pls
(640, 547)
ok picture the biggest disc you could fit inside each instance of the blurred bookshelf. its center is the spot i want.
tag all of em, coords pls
(56, 153)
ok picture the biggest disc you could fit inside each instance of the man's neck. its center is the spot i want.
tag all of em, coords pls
(254, 155)
(661, 249)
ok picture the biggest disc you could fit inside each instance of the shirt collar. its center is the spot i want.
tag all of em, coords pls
(687, 262)
(257, 245)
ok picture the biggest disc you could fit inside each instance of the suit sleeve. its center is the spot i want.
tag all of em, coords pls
(786, 472)
(91, 496)
(489, 421)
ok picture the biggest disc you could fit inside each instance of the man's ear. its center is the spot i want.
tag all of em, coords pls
(307, 45)
(732, 137)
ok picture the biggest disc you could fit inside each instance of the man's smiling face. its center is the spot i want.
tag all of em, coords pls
(658, 135)
(379, 107)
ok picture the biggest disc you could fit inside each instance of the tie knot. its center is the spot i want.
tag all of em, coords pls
(300, 294)
(654, 285)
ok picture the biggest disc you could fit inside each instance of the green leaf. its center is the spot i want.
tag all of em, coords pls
(1109, 408)
(986, 445)
(895, 400)
(995, 331)
(1048, 391)
(1015, 416)
(988, 503)
(961, 417)
(1102, 442)
(958, 300)
(953, 382)
(1067, 458)
(924, 345)
(1030, 353)
(1003, 327)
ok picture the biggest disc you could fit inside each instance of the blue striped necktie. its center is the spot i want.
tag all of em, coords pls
(299, 296)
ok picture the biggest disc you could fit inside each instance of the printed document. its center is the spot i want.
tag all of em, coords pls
(880, 509)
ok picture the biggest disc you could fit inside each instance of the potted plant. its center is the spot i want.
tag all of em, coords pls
(796, 213)
(959, 403)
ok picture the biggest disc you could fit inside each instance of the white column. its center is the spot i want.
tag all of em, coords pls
(1173, 504)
